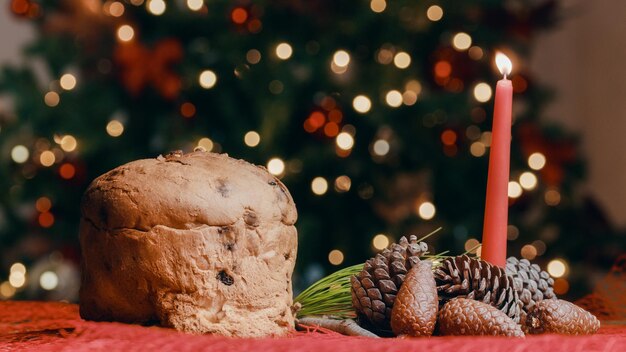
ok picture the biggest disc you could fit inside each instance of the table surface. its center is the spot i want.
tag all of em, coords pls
(55, 326)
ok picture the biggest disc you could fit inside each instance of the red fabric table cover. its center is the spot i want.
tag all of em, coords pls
(54, 326)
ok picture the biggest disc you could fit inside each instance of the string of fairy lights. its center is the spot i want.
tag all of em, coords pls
(328, 121)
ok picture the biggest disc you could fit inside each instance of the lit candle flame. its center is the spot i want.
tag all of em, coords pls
(504, 64)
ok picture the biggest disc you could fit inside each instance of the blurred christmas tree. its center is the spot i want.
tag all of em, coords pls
(375, 114)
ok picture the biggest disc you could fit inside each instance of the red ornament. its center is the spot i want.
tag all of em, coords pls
(141, 67)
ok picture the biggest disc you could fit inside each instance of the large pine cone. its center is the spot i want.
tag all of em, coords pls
(557, 316)
(531, 283)
(462, 316)
(476, 279)
(375, 288)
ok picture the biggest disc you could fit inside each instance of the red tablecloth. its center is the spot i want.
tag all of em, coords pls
(51, 326)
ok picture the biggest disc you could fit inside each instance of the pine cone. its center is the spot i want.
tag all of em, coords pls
(462, 316)
(560, 317)
(375, 288)
(414, 312)
(476, 279)
(530, 282)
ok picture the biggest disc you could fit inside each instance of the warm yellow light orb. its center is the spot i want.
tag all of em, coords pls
(252, 138)
(393, 98)
(528, 180)
(434, 13)
(380, 241)
(67, 81)
(536, 161)
(515, 190)
(207, 79)
(68, 143)
(426, 210)
(378, 6)
(557, 268)
(125, 33)
(335, 257)
(276, 166)
(344, 141)
(284, 51)
(381, 147)
(402, 60)
(319, 186)
(361, 104)
(20, 154)
(115, 128)
(461, 41)
(156, 7)
(482, 92)
(47, 158)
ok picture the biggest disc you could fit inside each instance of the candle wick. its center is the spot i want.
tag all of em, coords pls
(505, 75)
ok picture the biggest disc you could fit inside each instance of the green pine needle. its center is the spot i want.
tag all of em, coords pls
(332, 294)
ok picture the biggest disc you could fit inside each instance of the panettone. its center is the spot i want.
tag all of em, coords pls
(199, 242)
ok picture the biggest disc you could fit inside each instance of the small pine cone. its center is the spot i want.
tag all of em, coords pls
(531, 283)
(472, 278)
(374, 289)
(462, 316)
(414, 312)
(560, 317)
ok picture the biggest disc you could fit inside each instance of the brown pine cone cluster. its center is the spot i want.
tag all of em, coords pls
(398, 294)
(476, 279)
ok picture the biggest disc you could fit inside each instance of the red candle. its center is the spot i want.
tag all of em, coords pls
(497, 202)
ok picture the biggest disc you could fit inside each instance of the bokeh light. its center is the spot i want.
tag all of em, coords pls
(515, 190)
(361, 104)
(381, 147)
(67, 81)
(52, 99)
(461, 41)
(482, 92)
(156, 7)
(20, 154)
(284, 51)
(252, 138)
(47, 158)
(434, 13)
(426, 210)
(253, 56)
(195, 5)
(125, 33)
(341, 58)
(529, 252)
(276, 166)
(528, 180)
(48, 280)
(335, 257)
(207, 79)
(68, 143)
(378, 6)
(552, 197)
(393, 98)
(536, 161)
(557, 268)
(402, 60)
(471, 245)
(115, 128)
(380, 241)
(343, 184)
(206, 143)
(345, 141)
(319, 186)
